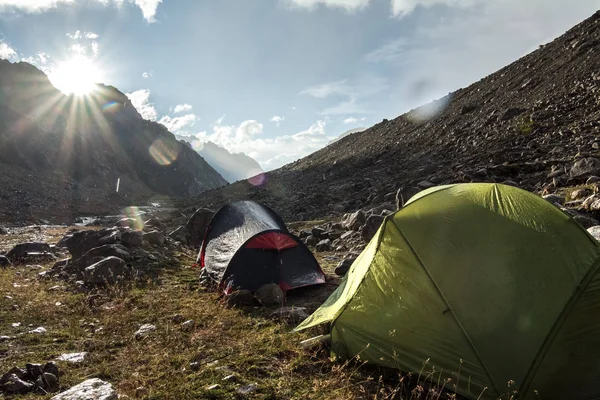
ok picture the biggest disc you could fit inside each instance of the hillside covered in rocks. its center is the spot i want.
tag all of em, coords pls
(63, 156)
(533, 124)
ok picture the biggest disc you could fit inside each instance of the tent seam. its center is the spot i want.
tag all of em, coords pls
(460, 325)
(562, 318)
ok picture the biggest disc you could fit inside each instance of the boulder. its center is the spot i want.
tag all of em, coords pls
(555, 199)
(304, 234)
(354, 221)
(144, 331)
(311, 241)
(107, 271)
(24, 251)
(292, 315)
(333, 235)
(91, 257)
(425, 185)
(156, 238)
(585, 168)
(371, 226)
(131, 238)
(269, 295)
(239, 298)
(131, 223)
(595, 232)
(47, 383)
(91, 389)
(181, 235)
(344, 265)
(324, 245)
(155, 223)
(15, 385)
(79, 243)
(317, 232)
(197, 224)
(580, 193)
(4, 261)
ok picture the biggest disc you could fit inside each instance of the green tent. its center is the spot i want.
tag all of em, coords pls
(485, 278)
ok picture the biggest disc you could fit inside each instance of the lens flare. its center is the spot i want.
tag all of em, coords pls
(135, 218)
(259, 179)
(110, 107)
(164, 153)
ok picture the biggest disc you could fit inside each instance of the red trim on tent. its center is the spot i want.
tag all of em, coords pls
(272, 240)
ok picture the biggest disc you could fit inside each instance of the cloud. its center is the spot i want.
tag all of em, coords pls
(148, 8)
(328, 89)
(147, 75)
(80, 35)
(178, 124)
(350, 120)
(270, 152)
(182, 108)
(346, 107)
(7, 52)
(402, 8)
(277, 119)
(348, 5)
(140, 99)
(391, 51)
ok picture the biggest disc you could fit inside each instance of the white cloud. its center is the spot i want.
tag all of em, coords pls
(402, 8)
(7, 52)
(147, 75)
(328, 89)
(140, 99)
(91, 35)
(95, 48)
(178, 124)
(390, 51)
(348, 5)
(148, 8)
(277, 119)
(346, 107)
(350, 120)
(182, 108)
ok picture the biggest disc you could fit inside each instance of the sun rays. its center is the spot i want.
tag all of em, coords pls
(77, 75)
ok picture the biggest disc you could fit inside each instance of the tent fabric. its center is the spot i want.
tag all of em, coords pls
(248, 245)
(484, 273)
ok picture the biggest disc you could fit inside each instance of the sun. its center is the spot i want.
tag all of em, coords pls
(77, 76)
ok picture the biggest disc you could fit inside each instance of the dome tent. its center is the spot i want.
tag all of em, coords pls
(248, 245)
(487, 276)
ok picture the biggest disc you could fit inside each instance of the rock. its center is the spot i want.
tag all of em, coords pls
(33, 371)
(592, 179)
(231, 378)
(340, 208)
(107, 271)
(317, 232)
(188, 325)
(81, 242)
(555, 199)
(269, 295)
(29, 251)
(425, 185)
(13, 384)
(72, 357)
(197, 224)
(239, 298)
(95, 389)
(333, 235)
(512, 113)
(347, 235)
(404, 194)
(107, 250)
(4, 261)
(195, 366)
(580, 193)
(144, 331)
(38, 331)
(177, 318)
(304, 234)
(371, 226)
(216, 386)
(47, 382)
(311, 241)
(585, 168)
(156, 238)
(355, 220)
(51, 368)
(131, 223)
(247, 389)
(3, 231)
(595, 232)
(181, 235)
(344, 265)
(19, 372)
(324, 245)
(131, 238)
(291, 315)
(155, 223)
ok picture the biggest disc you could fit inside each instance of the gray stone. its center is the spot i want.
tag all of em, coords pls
(29, 251)
(188, 325)
(371, 226)
(72, 357)
(131, 238)
(269, 295)
(317, 232)
(197, 224)
(303, 234)
(3, 231)
(19, 372)
(555, 199)
(155, 237)
(107, 271)
(180, 234)
(592, 179)
(13, 384)
(155, 223)
(216, 386)
(425, 185)
(333, 235)
(344, 265)
(347, 235)
(4, 261)
(33, 371)
(239, 298)
(51, 368)
(324, 245)
(144, 331)
(247, 389)
(511, 113)
(580, 193)
(79, 243)
(47, 382)
(595, 232)
(131, 223)
(354, 221)
(311, 241)
(585, 168)
(403, 195)
(95, 389)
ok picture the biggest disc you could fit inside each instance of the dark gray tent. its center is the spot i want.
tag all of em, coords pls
(248, 245)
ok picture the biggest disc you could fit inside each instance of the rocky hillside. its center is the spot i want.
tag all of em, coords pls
(525, 125)
(62, 155)
(232, 166)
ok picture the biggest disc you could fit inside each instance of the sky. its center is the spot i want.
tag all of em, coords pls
(277, 79)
